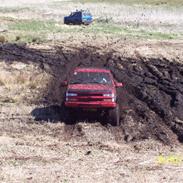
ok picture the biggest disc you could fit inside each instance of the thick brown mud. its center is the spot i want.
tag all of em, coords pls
(151, 100)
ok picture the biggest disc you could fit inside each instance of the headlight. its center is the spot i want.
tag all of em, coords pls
(113, 97)
(71, 94)
(108, 95)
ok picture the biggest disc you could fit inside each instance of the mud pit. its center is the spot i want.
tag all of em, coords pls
(151, 100)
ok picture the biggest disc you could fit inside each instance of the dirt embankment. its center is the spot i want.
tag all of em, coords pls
(151, 100)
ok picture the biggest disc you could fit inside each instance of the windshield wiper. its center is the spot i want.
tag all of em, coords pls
(76, 82)
(92, 82)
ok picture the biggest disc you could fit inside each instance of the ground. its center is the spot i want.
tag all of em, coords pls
(141, 49)
(49, 152)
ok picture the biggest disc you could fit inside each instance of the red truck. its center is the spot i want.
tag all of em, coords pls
(92, 89)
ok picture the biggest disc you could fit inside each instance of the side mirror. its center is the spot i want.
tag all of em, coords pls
(64, 83)
(118, 84)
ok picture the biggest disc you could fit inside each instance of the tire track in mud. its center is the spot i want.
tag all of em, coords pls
(152, 96)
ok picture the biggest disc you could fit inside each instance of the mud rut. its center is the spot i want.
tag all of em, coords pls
(151, 100)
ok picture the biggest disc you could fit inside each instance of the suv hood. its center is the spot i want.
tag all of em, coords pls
(90, 87)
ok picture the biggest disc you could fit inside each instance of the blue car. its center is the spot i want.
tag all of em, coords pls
(79, 17)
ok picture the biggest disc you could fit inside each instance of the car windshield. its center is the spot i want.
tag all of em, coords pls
(91, 78)
(86, 14)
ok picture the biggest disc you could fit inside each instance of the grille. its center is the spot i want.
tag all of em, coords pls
(89, 95)
(90, 99)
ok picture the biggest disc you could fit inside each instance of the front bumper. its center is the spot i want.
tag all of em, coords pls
(90, 105)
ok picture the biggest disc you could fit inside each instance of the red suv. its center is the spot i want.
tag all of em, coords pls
(93, 89)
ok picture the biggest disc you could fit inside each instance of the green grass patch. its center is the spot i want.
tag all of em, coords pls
(32, 25)
(119, 30)
(157, 35)
(37, 31)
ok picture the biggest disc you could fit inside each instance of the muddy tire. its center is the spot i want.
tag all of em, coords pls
(114, 116)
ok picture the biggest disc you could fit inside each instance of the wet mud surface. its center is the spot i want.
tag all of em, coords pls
(151, 100)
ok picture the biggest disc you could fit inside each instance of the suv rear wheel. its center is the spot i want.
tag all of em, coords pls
(114, 116)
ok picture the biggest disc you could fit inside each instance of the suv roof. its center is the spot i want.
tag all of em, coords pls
(90, 69)
(81, 11)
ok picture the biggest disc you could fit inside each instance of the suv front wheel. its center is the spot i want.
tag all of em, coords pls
(114, 116)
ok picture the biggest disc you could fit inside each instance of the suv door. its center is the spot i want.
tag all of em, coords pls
(76, 18)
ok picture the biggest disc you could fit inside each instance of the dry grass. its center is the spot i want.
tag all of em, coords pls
(24, 78)
(20, 81)
(2, 39)
(2, 83)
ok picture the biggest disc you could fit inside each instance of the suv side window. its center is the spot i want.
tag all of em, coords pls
(74, 15)
(77, 14)
(86, 14)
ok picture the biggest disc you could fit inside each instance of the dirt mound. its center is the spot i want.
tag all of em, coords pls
(151, 100)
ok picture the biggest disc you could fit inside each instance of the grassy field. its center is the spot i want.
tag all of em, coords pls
(159, 20)
(40, 31)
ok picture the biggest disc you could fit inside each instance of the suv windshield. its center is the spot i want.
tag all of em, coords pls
(91, 78)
